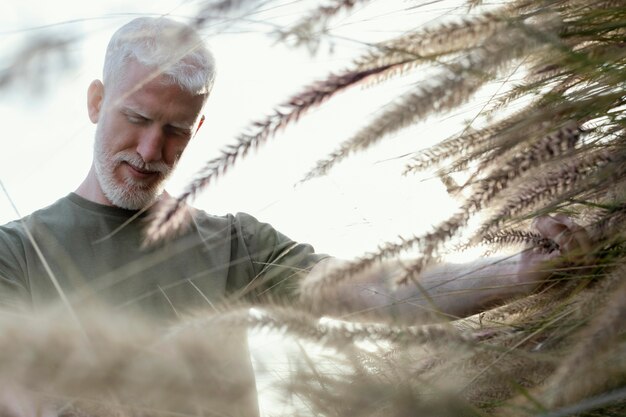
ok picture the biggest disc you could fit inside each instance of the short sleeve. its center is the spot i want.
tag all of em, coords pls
(14, 293)
(277, 262)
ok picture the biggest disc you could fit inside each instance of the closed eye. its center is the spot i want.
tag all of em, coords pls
(178, 131)
(135, 118)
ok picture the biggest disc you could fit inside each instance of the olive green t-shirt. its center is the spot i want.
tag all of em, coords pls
(94, 252)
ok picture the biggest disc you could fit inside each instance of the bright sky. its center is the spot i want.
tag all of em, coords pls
(364, 202)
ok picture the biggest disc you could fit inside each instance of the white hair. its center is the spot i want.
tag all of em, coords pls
(172, 48)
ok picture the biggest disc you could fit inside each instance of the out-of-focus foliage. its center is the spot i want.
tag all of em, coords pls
(562, 150)
(560, 352)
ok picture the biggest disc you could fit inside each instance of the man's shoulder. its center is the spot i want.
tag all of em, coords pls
(204, 219)
(241, 225)
(239, 220)
(44, 215)
(14, 235)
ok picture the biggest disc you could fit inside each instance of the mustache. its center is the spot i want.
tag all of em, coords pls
(137, 161)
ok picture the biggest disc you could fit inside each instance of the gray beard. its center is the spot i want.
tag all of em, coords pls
(129, 194)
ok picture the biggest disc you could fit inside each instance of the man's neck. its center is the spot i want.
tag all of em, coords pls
(90, 189)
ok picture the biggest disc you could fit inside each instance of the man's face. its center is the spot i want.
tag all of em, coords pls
(143, 127)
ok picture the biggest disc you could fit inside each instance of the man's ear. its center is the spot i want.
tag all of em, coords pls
(95, 97)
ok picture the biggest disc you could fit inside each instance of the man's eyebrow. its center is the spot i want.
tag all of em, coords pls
(127, 109)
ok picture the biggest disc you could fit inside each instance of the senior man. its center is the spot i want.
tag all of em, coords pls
(87, 246)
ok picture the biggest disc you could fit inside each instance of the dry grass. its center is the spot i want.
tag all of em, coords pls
(559, 352)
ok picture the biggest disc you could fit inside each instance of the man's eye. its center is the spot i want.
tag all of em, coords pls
(183, 133)
(136, 119)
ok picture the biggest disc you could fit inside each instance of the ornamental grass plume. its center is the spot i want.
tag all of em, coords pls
(563, 151)
(558, 352)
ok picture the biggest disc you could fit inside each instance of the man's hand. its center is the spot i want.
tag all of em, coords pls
(572, 240)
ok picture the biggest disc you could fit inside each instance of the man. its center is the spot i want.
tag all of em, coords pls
(86, 247)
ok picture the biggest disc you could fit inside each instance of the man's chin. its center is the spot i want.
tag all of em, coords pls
(134, 200)
(127, 193)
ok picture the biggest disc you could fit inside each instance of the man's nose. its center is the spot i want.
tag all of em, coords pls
(150, 146)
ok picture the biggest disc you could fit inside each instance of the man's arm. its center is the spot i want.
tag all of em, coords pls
(448, 290)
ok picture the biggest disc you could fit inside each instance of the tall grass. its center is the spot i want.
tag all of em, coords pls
(558, 352)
